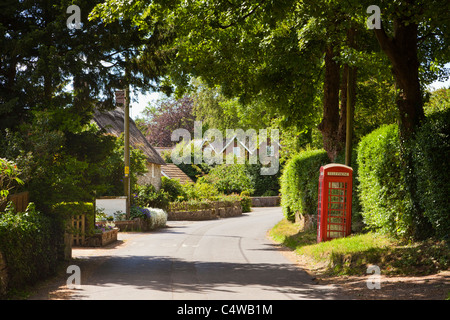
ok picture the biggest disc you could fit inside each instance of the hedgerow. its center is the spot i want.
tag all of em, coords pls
(386, 203)
(299, 183)
(431, 166)
(32, 245)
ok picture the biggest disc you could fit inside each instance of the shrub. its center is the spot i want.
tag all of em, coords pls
(299, 183)
(263, 185)
(246, 201)
(158, 217)
(31, 243)
(9, 179)
(431, 163)
(147, 196)
(173, 187)
(200, 190)
(229, 178)
(385, 200)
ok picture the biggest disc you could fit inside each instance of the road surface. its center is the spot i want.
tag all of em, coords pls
(222, 259)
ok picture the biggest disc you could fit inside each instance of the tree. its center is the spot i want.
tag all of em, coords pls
(294, 56)
(57, 167)
(51, 79)
(292, 60)
(414, 35)
(219, 112)
(168, 115)
(41, 58)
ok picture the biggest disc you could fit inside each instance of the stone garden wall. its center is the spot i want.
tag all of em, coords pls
(206, 211)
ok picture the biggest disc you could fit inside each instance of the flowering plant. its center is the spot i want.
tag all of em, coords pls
(139, 212)
(9, 178)
(155, 217)
(100, 227)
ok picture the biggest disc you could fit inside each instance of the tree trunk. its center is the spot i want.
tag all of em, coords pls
(402, 52)
(330, 122)
(350, 107)
(350, 101)
(343, 97)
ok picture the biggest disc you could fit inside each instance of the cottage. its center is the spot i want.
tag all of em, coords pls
(170, 170)
(113, 123)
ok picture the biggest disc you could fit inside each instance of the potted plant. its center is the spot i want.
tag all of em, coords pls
(104, 234)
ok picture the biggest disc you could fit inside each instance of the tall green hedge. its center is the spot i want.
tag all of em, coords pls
(404, 189)
(299, 183)
(431, 165)
(31, 244)
(385, 200)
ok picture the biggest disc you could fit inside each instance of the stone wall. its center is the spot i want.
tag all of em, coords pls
(215, 210)
(136, 224)
(153, 176)
(102, 239)
(266, 201)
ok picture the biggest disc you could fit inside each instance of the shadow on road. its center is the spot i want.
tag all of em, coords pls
(166, 274)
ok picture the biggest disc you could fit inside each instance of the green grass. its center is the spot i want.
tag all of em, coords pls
(352, 255)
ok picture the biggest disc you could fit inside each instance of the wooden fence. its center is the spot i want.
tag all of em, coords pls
(20, 200)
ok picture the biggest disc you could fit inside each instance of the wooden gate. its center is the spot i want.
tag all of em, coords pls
(79, 228)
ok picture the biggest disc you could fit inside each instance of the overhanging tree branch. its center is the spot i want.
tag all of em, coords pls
(240, 19)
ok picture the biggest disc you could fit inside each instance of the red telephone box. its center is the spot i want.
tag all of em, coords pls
(334, 212)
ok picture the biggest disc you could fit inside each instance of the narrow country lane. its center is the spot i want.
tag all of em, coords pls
(204, 260)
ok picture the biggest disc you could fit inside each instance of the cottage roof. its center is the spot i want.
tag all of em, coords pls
(113, 122)
(171, 171)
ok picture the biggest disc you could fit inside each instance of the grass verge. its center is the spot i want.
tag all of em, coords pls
(352, 255)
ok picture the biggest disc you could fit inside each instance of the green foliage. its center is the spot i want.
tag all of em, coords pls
(112, 169)
(385, 200)
(217, 111)
(147, 196)
(9, 179)
(61, 166)
(48, 57)
(439, 101)
(262, 185)
(351, 255)
(299, 183)
(173, 187)
(31, 245)
(66, 210)
(431, 164)
(246, 201)
(229, 178)
(200, 190)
